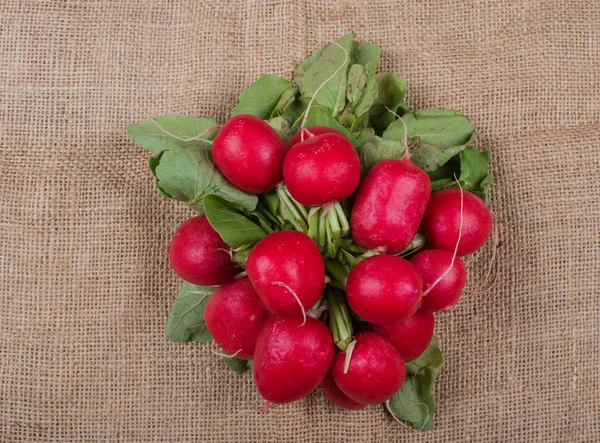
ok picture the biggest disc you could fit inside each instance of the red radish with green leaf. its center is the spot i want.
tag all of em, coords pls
(198, 254)
(234, 316)
(249, 153)
(291, 358)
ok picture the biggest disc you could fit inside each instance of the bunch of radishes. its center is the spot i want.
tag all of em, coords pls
(333, 222)
(277, 314)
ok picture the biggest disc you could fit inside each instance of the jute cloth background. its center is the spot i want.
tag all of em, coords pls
(85, 284)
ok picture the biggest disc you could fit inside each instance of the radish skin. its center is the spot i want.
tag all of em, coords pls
(249, 153)
(234, 315)
(441, 222)
(389, 205)
(198, 254)
(375, 373)
(411, 337)
(433, 264)
(291, 359)
(287, 271)
(384, 289)
(335, 395)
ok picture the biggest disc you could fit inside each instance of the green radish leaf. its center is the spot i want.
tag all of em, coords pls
(294, 110)
(470, 166)
(285, 101)
(366, 54)
(357, 80)
(474, 174)
(414, 402)
(361, 94)
(438, 127)
(263, 96)
(376, 149)
(282, 125)
(271, 201)
(236, 365)
(429, 156)
(319, 116)
(434, 135)
(186, 321)
(184, 168)
(232, 225)
(391, 92)
(318, 67)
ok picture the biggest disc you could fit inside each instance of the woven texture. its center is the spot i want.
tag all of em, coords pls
(85, 285)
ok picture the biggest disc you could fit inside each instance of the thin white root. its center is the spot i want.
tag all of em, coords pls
(291, 291)
(404, 425)
(319, 88)
(222, 354)
(460, 226)
(412, 428)
(405, 138)
(196, 137)
(486, 280)
(265, 408)
(349, 351)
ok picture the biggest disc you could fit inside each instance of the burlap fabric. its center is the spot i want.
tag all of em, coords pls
(85, 284)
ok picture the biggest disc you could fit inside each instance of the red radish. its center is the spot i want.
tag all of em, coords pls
(234, 315)
(291, 358)
(411, 337)
(287, 271)
(314, 130)
(384, 289)
(389, 205)
(199, 255)
(441, 222)
(375, 372)
(433, 264)
(322, 169)
(336, 396)
(249, 153)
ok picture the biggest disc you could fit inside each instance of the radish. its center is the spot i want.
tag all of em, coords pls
(372, 373)
(322, 169)
(336, 396)
(442, 219)
(411, 337)
(384, 289)
(198, 254)
(249, 153)
(287, 271)
(389, 205)
(234, 315)
(313, 130)
(436, 263)
(291, 358)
